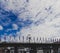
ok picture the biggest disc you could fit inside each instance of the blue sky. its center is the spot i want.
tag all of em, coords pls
(8, 18)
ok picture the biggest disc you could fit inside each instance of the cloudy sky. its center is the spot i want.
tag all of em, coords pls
(39, 18)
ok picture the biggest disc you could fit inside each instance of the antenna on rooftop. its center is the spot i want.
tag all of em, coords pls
(29, 37)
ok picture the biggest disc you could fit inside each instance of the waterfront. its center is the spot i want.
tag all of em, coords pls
(29, 47)
(25, 50)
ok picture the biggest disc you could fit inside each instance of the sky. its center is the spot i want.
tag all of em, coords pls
(39, 18)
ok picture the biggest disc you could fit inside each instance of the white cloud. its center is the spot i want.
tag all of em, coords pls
(46, 29)
(13, 4)
(1, 27)
(39, 31)
(15, 26)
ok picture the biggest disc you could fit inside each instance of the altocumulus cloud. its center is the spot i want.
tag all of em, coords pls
(15, 26)
(1, 27)
(44, 21)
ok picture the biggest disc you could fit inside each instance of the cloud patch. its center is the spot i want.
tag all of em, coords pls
(1, 27)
